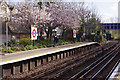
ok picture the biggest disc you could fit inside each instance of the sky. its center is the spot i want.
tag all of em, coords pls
(107, 9)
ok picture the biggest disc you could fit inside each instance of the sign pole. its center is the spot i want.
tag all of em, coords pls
(33, 43)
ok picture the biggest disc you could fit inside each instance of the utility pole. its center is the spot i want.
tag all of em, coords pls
(7, 35)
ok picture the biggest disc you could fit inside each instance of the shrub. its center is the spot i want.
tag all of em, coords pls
(41, 46)
(17, 49)
(3, 49)
(12, 42)
(10, 50)
(47, 40)
(44, 46)
(58, 44)
(42, 42)
(35, 47)
(66, 42)
(13, 48)
(23, 49)
(29, 47)
(50, 45)
(62, 43)
(25, 41)
(60, 40)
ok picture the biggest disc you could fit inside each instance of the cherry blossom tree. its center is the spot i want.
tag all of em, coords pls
(58, 14)
(28, 14)
(63, 16)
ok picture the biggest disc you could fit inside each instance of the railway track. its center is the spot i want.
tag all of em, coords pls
(57, 72)
(96, 70)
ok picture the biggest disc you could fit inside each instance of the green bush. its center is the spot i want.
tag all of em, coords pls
(66, 42)
(62, 43)
(10, 50)
(35, 47)
(58, 44)
(44, 46)
(41, 46)
(12, 42)
(25, 41)
(42, 42)
(50, 45)
(60, 40)
(13, 48)
(29, 47)
(47, 40)
(3, 49)
(23, 49)
(17, 49)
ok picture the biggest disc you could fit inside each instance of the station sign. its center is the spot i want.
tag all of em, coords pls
(34, 32)
(74, 33)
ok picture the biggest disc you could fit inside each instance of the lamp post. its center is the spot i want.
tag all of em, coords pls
(6, 37)
(7, 19)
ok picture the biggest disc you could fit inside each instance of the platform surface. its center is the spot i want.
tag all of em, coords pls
(24, 55)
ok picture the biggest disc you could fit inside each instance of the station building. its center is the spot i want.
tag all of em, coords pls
(112, 28)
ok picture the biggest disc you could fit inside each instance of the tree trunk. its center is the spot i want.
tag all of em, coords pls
(63, 34)
(49, 34)
(41, 31)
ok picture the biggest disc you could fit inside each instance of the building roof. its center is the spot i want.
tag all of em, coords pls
(12, 29)
(19, 30)
(11, 7)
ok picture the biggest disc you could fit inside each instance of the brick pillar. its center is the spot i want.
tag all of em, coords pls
(6, 70)
(65, 54)
(61, 55)
(76, 51)
(71, 52)
(54, 57)
(58, 56)
(16, 68)
(25, 66)
(32, 64)
(44, 59)
(82, 49)
(38, 61)
(49, 58)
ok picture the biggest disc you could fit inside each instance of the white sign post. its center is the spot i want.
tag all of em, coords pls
(33, 33)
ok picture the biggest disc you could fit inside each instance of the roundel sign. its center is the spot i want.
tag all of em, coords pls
(33, 33)
(74, 33)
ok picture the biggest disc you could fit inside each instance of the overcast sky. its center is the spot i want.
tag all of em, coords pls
(107, 9)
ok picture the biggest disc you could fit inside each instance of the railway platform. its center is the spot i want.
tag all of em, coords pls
(24, 61)
(23, 55)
